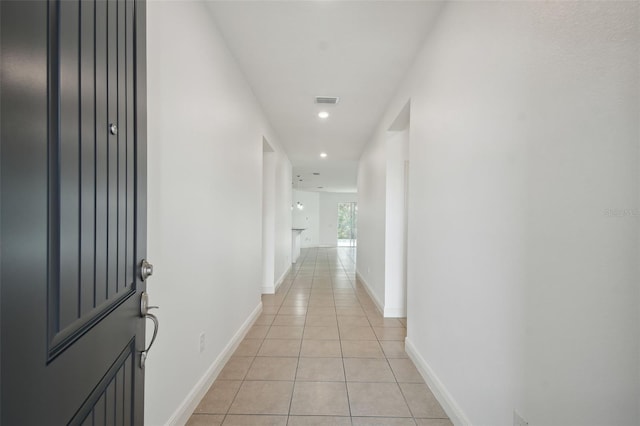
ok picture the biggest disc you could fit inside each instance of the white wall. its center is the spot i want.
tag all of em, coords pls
(523, 278)
(268, 222)
(329, 215)
(308, 218)
(283, 218)
(370, 265)
(581, 313)
(276, 219)
(395, 288)
(205, 203)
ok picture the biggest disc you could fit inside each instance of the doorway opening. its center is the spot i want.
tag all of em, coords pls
(347, 224)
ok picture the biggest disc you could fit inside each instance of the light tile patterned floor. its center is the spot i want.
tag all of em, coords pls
(321, 354)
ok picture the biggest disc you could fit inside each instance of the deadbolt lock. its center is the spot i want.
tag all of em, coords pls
(146, 270)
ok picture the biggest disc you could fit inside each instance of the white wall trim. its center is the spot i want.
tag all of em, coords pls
(394, 312)
(370, 292)
(282, 278)
(450, 406)
(189, 404)
(271, 289)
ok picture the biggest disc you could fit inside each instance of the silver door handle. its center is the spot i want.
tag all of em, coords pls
(156, 326)
(144, 313)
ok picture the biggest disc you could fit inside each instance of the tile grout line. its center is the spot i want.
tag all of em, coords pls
(293, 388)
(344, 369)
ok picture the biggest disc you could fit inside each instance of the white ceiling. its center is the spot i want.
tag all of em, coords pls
(292, 51)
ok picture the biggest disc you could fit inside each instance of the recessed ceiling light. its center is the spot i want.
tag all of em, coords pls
(323, 114)
(320, 187)
(323, 154)
(316, 174)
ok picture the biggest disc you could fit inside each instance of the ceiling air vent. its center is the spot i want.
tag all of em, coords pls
(327, 100)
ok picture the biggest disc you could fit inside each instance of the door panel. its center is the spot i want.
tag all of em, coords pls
(73, 199)
(110, 402)
(73, 217)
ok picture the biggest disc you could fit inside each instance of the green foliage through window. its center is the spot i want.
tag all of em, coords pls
(347, 221)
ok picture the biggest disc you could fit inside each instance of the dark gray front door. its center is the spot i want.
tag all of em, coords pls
(73, 211)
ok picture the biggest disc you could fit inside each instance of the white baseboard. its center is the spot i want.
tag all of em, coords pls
(371, 293)
(394, 312)
(189, 404)
(450, 406)
(282, 278)
(271, 289)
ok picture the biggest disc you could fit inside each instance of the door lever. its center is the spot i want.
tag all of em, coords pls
(144, 305)
(144, 313)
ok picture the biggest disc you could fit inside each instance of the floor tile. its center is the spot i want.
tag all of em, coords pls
(290, 320)
(405, 371)
(320, 398)
(361, 349)
(367, 370)
(321, 333)
(321, 348)
(285, 332)
(320, 320)
(270, 310)
(320, 370)
(377, 399)
(248, 347)
(344, 321)
(434, 422)
(236, 368)
(350, 312)
(206, 420)
(384, 333)
(421, 401)
(292, 361)
(383, 421)
(254, 420)
(218, 398)
(314, 310)
(387, 323)
(319, 421)
(273, 368)
(257, 332)
(357, 333)
(262, 397)
(393, 349)
(292, 310)
(321, 298)
(265, 319)
(272, 299)
(295, 303)
(280, 347)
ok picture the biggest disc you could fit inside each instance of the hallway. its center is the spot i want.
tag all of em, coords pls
(321, 354)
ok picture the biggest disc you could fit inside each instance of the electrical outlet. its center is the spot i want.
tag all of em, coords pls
(201, 342)
(518, 420)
